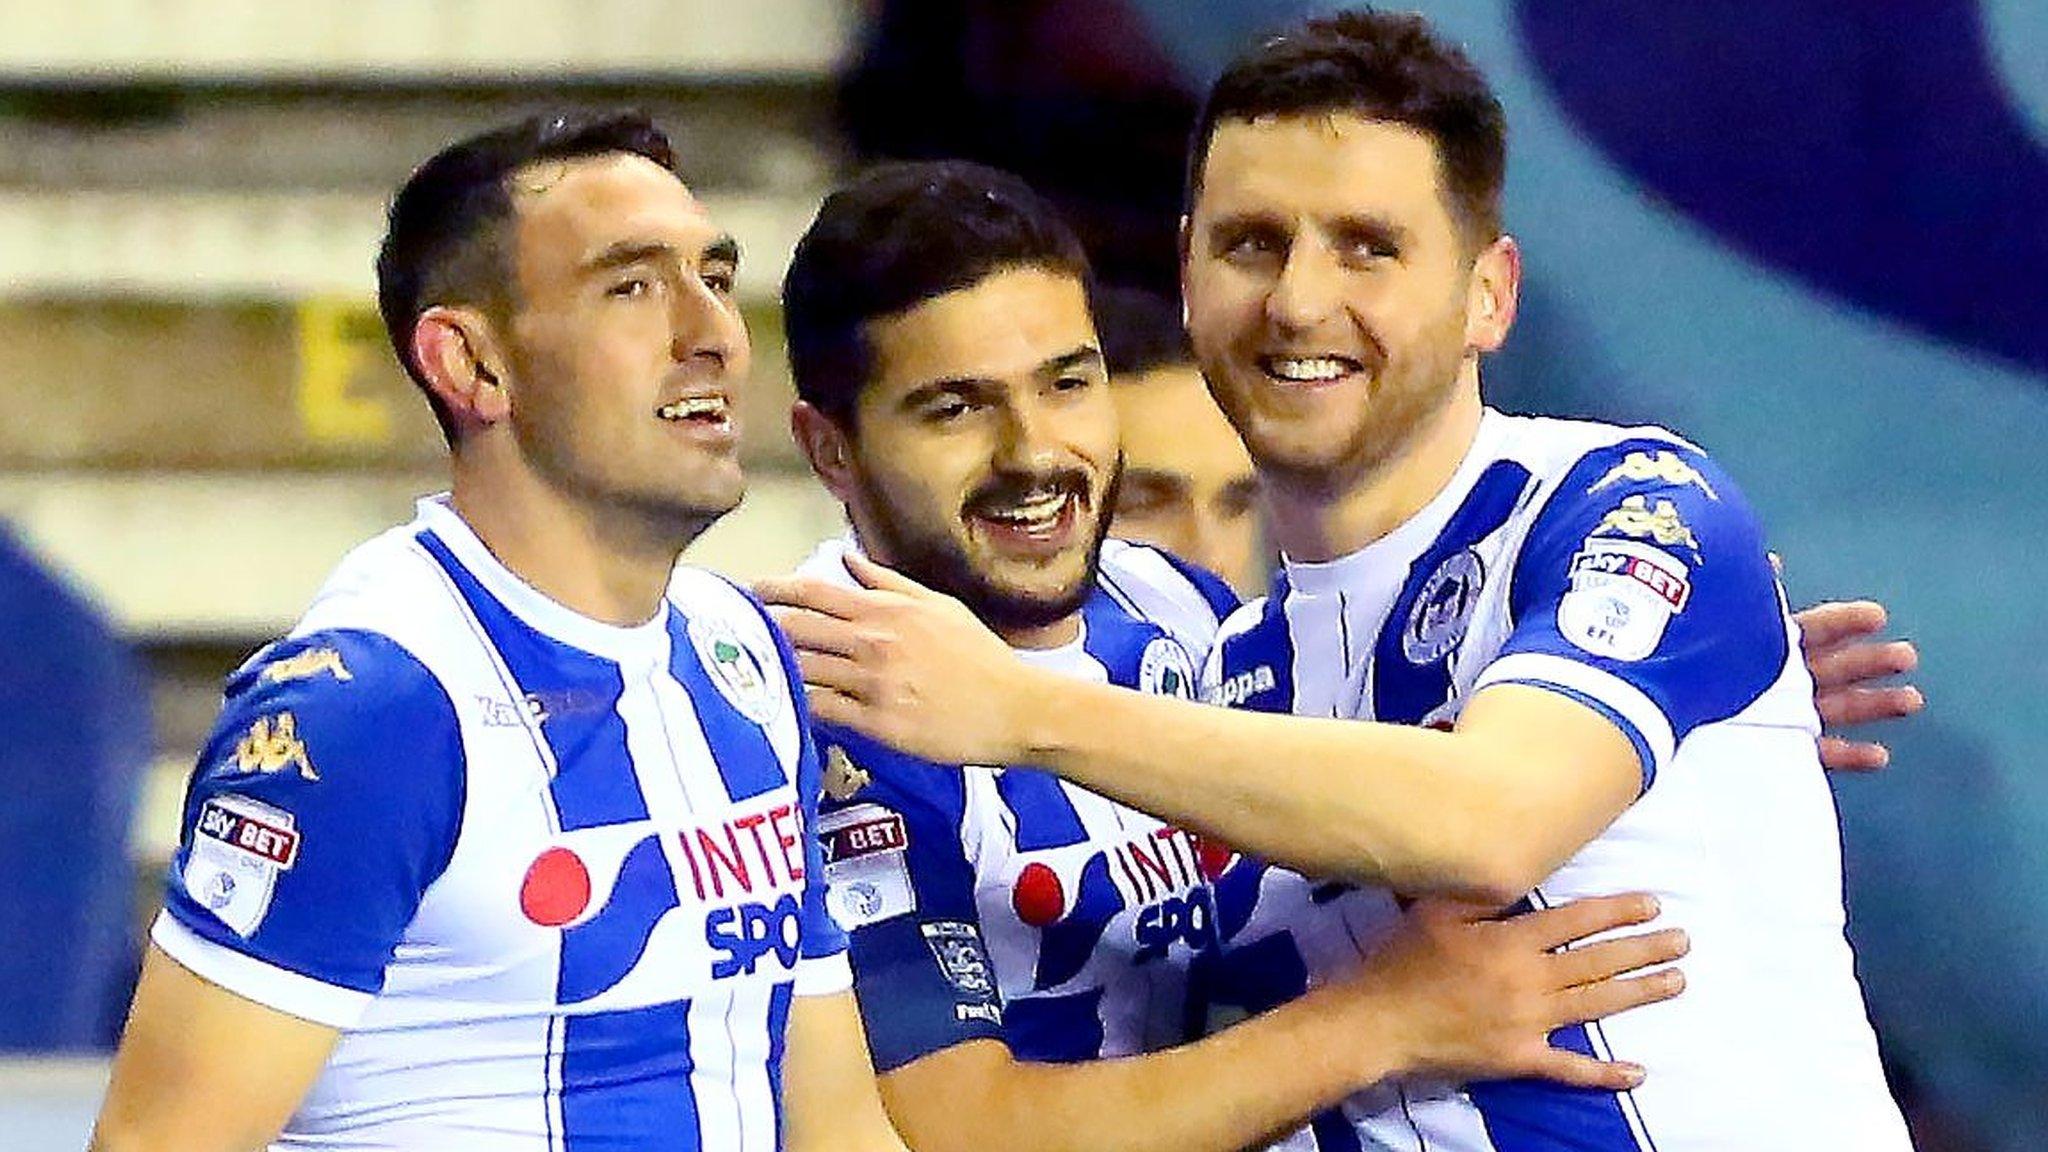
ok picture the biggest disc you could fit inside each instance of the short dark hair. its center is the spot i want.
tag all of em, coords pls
(898, 235)
(444, 239)
(1141, 331)
(1386, 66)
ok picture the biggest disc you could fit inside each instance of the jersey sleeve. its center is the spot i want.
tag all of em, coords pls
(325, 802)
(1643, 591)
(903, 886)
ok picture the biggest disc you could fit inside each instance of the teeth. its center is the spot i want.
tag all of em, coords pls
(692, 408)
(1308, 368)
(1037, 512)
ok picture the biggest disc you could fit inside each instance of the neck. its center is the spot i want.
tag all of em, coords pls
(605, 563)
(1316, 521)
(1065, 630)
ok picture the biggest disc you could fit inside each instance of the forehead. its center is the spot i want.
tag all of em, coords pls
(1321, 165)
(570, 209)
(1004, 326)
(1171, 425)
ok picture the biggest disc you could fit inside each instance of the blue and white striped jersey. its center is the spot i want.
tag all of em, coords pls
(556, 882)
(1002, 902)
(1620, 568)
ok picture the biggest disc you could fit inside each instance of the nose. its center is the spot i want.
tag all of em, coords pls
(1309, 288)
(1025, 441)
(704, 324)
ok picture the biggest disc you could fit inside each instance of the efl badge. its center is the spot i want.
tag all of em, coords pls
(1444, 608)
(867, 867)
(239, 848)
(1623, 594)
(741, 676)
(1166, 669)
(956, 945)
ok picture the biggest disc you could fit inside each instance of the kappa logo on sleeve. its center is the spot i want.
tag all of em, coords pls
(273, 745)
(1667, 467)
(867, 865)
(843, 778)
(238, 850)
(1636, 517)
(306, 665)
(1623, 594)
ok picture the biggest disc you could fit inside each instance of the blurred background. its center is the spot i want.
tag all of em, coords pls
(1808, 235)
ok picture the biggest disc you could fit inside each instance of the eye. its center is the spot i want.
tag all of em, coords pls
(630, 288)
(720, 280)
(945, 409)
(1072, 383)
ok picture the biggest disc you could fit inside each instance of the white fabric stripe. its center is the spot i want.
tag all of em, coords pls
(753, 1097)
(1605, 687)
(823, 976)
(711, 1026)
(267, 984)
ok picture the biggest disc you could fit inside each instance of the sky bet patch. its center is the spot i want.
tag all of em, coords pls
(239, 848)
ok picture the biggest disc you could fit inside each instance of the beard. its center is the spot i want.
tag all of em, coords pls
(936, 560)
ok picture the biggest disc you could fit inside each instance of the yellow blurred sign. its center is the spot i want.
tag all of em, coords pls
(336, 337)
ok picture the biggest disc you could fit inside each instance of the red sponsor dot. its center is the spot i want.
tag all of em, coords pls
(557, 889)
(1213, 857)
(1038, 898)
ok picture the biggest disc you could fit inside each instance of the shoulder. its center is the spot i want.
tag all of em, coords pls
(1186, 601)
(1252, 665)
(1644, 483)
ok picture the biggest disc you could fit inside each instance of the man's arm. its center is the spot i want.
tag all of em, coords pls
(1452, 994)
(201, 1069)
(829, 1094)
(1524, 781)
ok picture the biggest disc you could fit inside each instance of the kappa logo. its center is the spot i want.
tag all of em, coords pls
(1636, 517)
(273, 745)
(1668, 467)
(1166, 669)
(739, 674)
(306, 665)
(843, 778)
(1443, 609)
(1241, 686)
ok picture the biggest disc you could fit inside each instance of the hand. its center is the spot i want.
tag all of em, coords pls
(908, 666)
(1470, 997)
(1846, 667)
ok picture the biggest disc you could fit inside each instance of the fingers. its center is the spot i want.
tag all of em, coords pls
(1608, 997)
(821, 596)
(810, 631)
(1585, 1072)
(881, 578)
(1831, 623)
(1556, 927)
(1839, 755)
(830, 706)
(1841, 707)
(1845, 664)
(834, 673)
(1591, 963)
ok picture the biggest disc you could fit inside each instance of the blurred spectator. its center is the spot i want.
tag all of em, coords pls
(74, 738)
(1188, 483)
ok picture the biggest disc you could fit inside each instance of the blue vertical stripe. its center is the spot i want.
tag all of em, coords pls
(740, 747)
(578, 697)
(1045, 814)
(1405, 692)
(1539, 1116)
(626, 1074)
(778, 1046)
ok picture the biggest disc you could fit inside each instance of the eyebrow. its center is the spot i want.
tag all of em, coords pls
(626, 253)
(1086, 355)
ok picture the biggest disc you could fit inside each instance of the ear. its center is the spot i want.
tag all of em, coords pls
(1494, 294)
(456, 351)
(829, 449)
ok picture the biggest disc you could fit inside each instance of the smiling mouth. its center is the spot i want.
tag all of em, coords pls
(1041, 516)
(1308, 369)
(711, 411)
